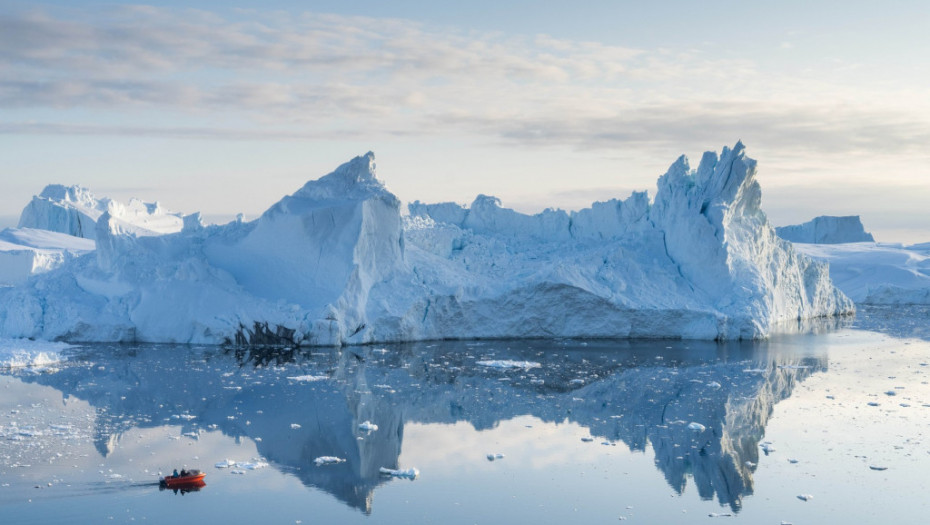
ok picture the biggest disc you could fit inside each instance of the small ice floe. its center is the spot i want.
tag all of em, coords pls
(237, 471)
(587, 439)
(793, 367)
(720, 515)
(192, 435)
(873, 404)
(805, 497)
(831, 397)
(754, 371)
(891, 393)
(327, 460)
(186, 417)
(295, 426)
(792, 461)
(749, 464)
(226, 463)
(253, 465)
(408, 473)
(714, 384)
(576, 382)
(367, 426)
(875, 467)
(507, 363)
(767, 447)
(697, 427)
(494, 457)
(308, 378)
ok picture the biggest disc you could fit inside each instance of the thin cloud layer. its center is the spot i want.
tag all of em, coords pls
(297, 76)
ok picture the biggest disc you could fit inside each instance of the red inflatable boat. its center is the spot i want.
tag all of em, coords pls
(190, 478)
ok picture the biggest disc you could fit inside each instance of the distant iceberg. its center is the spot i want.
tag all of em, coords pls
(336, 263)
(826, 230)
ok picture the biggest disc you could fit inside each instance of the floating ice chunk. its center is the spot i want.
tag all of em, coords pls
(767, 447)
(308, 378)
(697, 427)
(872, 404)
(587, 439)
(891, 393)
(507, 363)
(295, 426)
(749, 464)
(254, 465)
(792, 461)
(410, 473)
(805, 497)
(720, 515)
(874, 467)
(714, 384)
(237, 471)
(327, 460)
(226, 463)
(492, 457)
(367, 426)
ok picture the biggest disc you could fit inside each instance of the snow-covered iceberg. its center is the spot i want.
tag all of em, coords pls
(826, 229)
(336, 263)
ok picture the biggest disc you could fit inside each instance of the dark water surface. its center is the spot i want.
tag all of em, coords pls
(599, 431)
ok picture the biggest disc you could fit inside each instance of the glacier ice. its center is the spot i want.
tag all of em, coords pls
(337, 263)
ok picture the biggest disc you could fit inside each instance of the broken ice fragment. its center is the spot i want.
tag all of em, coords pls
(327, 460)
(805, 497)
(492, 457)
(697, 427)
(410, 473)
(367, 426)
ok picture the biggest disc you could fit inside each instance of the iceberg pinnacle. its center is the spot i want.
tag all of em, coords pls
(335, 263)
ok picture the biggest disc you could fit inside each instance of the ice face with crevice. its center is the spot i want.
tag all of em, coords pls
(336, 263)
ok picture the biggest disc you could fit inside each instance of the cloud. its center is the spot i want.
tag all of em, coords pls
(311, 75)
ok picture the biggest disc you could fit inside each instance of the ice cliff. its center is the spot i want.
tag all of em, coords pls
(336, 263)
(826, 230)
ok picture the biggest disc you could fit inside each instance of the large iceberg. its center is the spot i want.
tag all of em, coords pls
(826, 229)
(337, 263)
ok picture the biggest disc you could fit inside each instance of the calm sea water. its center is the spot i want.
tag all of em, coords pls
(576, 432)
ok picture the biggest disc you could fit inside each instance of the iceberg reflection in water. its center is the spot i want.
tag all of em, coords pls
(700, 406)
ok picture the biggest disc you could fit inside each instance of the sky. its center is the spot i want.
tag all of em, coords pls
(225, 107)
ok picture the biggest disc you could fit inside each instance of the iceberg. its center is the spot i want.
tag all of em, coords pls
(826, 230)
(74, 210)
(337, 263)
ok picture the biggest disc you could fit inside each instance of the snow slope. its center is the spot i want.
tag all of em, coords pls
(826, 230)
(74, 210)
(877, 273)
(335, 263)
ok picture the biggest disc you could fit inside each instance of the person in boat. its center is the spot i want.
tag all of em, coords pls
(175, 473)
(184, 472)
